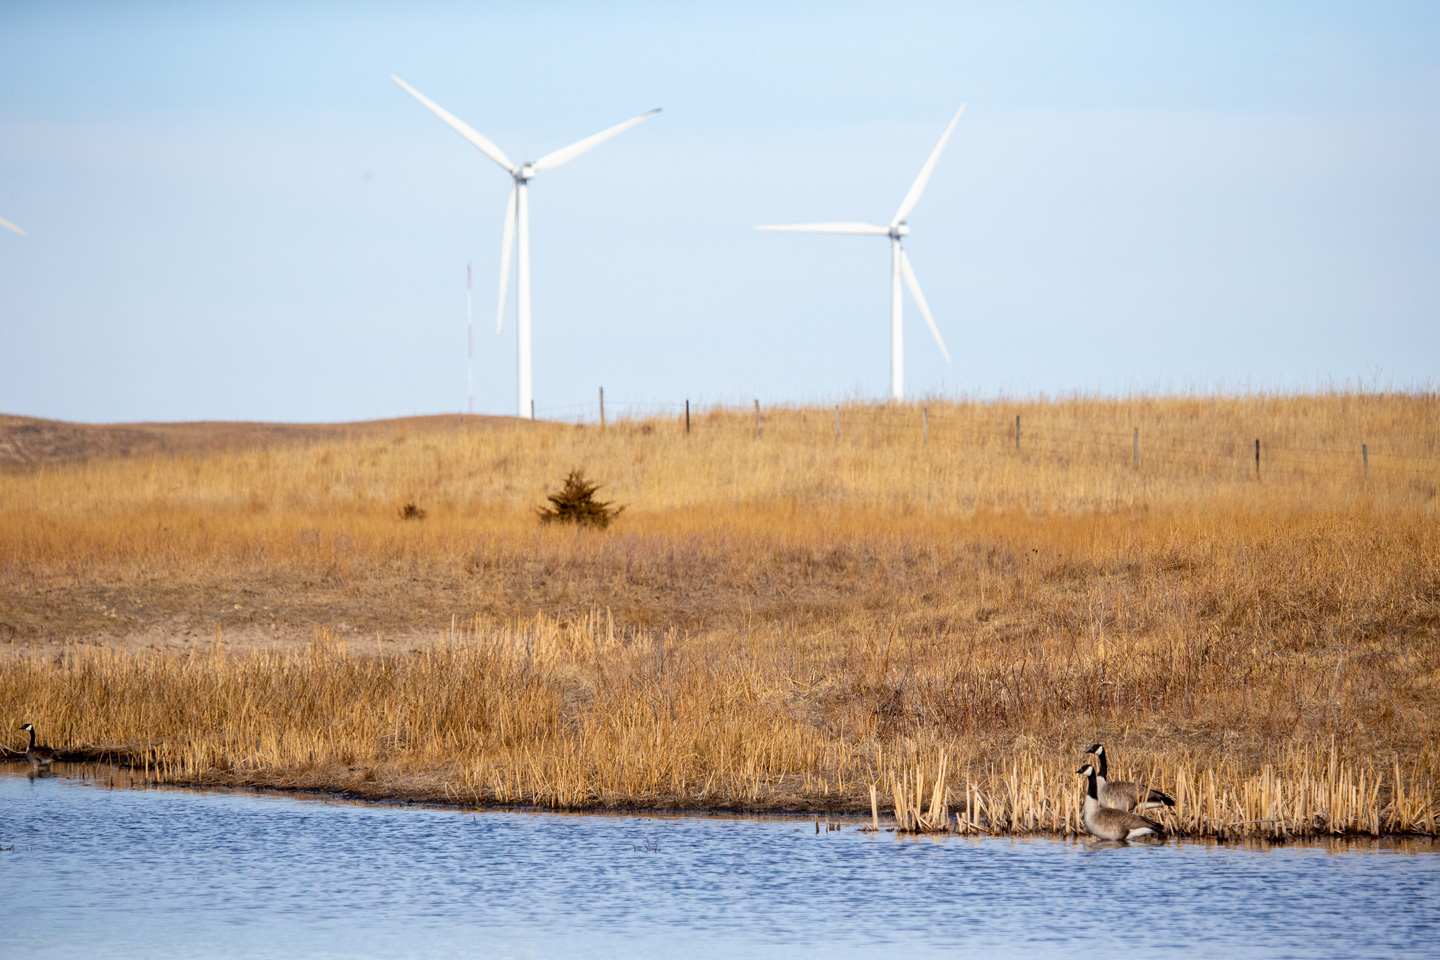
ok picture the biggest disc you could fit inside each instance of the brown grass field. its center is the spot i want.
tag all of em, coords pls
(777, 622)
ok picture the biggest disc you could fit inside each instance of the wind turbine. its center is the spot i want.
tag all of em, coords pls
(11, 226)
(517, 221)
(899, 263)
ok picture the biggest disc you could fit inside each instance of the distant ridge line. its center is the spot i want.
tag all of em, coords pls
(34, 441)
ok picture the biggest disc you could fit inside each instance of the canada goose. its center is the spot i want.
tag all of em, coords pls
(1122, 794)
(1107, 823)
(38, 756)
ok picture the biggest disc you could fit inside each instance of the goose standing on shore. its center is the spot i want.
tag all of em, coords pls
(1122, 794)
(37, 755)
(1108, 823)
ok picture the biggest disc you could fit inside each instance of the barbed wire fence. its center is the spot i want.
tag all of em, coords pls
(938, 424)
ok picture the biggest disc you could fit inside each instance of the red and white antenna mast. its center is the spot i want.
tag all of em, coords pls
(469, 347)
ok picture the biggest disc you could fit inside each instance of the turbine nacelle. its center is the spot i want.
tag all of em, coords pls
(526, 171)
(898, 230)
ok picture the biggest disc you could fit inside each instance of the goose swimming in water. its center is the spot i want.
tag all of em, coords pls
(37, 755)
(1122, 794)
(1107, 823)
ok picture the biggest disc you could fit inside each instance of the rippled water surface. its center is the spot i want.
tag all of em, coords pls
(96, 872)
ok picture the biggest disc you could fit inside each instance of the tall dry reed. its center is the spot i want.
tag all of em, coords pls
(573, 715)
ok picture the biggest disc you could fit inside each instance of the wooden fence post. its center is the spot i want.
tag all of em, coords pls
(1017, 433)
(1365, 456)
(1257, 458)
(687, 416)
(837, 423)
(602, 408)
(757, 419)
(924, 426)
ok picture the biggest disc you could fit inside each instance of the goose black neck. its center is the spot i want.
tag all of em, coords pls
(1100, 766)
(31, 731)
(1090, 785)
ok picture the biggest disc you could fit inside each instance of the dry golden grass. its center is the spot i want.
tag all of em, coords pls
(776, 622)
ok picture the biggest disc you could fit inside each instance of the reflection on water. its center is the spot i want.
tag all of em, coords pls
(100, 872)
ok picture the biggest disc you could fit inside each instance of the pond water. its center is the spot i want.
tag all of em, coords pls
(96, 872)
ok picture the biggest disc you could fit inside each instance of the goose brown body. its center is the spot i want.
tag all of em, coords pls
(1122, 794)
(1108, 823)
(37, 755)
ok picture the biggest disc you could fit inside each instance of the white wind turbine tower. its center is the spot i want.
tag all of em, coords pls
(517, 220)
(10, 226)
(469, 348)
(899, 263)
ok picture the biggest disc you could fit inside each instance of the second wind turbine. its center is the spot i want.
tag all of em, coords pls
(517, 221)
(899, 263)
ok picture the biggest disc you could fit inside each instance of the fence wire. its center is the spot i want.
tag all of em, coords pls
(1159, 445)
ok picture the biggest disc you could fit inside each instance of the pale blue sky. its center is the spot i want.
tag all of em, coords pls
(234, 214)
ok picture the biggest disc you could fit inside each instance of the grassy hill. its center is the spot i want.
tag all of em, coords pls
(781, 617)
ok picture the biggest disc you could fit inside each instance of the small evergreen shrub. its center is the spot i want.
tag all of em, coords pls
(576, 503)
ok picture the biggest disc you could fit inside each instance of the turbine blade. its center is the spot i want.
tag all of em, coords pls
(459, 126)
(864, 228)
(507, 246)
(10, 226)
(552, 160)
(918, 187)
(914, 286)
